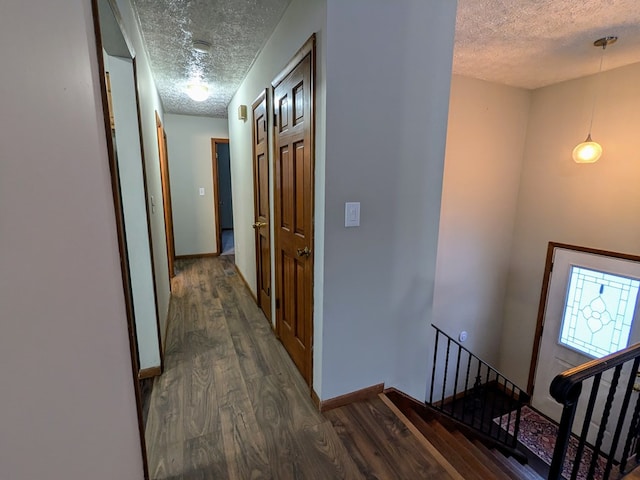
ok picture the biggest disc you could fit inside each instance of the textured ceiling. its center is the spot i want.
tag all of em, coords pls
(236, 30)
(524, 43)
(533, 43)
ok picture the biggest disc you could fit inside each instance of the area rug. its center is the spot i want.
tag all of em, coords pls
(539, 435)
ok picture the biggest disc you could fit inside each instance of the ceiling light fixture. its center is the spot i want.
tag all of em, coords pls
(590, 151)
(198, 91)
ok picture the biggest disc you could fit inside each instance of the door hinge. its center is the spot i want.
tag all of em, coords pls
(277, 303)
(275, 119)
(268, 292)
(551, 268)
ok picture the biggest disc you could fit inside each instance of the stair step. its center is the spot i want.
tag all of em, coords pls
(445, 443)
(519, 471)
(460, 452)
(528, 473)
(494, 456)
(487, 462)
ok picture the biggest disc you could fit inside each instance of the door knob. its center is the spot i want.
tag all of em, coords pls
(259, 224)
(303, 252)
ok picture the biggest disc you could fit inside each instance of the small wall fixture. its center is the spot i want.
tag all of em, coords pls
(590, 151)
(242, 112)
(198, 91)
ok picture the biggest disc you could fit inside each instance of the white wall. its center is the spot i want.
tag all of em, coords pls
(388, 77)
(299, 22)
(589, 205)
(149, 104)
(190, 167)
(485, 143)
(68, 408)
(127, 144)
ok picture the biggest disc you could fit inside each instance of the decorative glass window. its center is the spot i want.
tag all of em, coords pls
(598, 312)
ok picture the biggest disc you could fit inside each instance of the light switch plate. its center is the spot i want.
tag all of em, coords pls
(201, 191)
(352, 214)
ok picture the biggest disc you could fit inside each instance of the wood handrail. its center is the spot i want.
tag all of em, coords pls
(566, 387)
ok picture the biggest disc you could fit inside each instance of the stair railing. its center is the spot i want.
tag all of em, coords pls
(566, 389)
(472, 392)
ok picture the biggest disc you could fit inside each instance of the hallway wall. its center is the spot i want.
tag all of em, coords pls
(588, 205)
(68, 406)
(190, 167)
(485, 142)
(127, 145)
(301, 19)
(149, 104)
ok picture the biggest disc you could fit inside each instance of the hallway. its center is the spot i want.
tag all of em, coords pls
(230, 403)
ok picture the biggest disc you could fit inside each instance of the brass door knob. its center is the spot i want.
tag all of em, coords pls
(303, 252)
(259, 224)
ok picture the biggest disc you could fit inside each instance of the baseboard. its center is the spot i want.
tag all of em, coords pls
(246, 284)
(347, 398)
(149, 372)
(196, 255)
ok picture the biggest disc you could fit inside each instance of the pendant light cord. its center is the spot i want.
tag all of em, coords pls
(598, 82)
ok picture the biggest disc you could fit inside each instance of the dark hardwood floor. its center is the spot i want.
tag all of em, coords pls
(231, 404)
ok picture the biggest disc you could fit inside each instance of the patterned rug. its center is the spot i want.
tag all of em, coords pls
(539, 435)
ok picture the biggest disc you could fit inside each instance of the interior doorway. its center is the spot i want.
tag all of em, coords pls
(222, 197)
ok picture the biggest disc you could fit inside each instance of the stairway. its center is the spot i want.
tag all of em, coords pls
(471, 458)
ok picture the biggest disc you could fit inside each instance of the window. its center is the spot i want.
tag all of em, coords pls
(598, 312)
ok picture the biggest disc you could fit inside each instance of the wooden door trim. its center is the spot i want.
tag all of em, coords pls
(163, 153)
(308, 48)
(545, 293)
(125, 271)
(216, 195)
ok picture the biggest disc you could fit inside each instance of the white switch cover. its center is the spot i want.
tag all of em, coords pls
(352, 214)
(201, 191)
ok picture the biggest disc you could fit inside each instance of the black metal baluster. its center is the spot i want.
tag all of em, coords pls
(476, 387)
(455, 385)
(509, 400)
(623, 414)
(493, 401)
(516, 427)
(484, 399)
(631, 436)
(605, 419)
(585, 426)
(444, 380)
(564, 432)
(466, 384)
(433, 372)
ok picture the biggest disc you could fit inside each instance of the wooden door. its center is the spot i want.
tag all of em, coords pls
(294, 181)
(261, 202)
(166, 195)
(590, 311)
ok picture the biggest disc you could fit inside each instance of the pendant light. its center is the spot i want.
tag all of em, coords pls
(590, 151)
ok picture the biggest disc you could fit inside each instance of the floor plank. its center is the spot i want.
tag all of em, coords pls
(232, 405)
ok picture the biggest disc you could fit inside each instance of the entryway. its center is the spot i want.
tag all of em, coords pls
(222, 196)
(587, 311)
